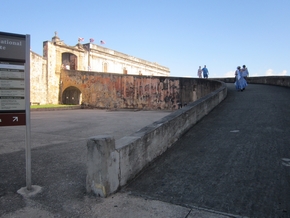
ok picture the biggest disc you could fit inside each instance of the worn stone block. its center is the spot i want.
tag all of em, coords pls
(102, 166)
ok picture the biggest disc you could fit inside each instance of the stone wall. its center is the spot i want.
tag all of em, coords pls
(38, 79)
(269, 80)
(113, 91)
(118, 62)
(45, 71)
(52, 73)
(110, 164)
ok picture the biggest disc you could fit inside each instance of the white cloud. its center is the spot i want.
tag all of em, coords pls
(269, 72)
(283, 73)
(229, 74)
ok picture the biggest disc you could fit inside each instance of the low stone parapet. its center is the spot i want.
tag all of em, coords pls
(268, 80)
(102, 165)
(112, 164)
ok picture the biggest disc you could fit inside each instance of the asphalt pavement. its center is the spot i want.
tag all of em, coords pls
(234, 163)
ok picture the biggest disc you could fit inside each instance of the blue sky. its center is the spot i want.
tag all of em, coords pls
(179, 34)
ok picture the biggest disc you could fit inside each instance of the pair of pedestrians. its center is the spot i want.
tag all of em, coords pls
(240, 76)
(203, 71)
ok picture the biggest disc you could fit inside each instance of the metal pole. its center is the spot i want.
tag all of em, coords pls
(27, 112)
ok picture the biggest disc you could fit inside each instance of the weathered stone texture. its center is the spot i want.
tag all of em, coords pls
(103, 167)
(38, 79)
(136, 151)
(117, 62)
(106, 90)
(46, 84)
(52, 75)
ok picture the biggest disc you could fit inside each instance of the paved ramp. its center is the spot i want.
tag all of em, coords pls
(58, 140)
(235, 161)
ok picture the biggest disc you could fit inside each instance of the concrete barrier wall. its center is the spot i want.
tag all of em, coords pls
(132, 153)
(269, 80)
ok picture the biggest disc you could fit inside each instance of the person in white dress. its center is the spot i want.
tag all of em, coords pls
(199, 71)
(240, 83)
(245, 72)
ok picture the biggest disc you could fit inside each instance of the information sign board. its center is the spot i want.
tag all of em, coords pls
(12, 46)
(13, 97)
(15, 88)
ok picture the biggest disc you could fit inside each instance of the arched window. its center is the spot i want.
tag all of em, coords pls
(69, 61)
(105, 67)
(125, 70)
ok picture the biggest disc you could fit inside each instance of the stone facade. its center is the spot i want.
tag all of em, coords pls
(57, 56)
(38, 79)
(112, 164)
(118, 91)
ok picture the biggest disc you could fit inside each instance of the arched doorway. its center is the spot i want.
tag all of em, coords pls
(71, 96)
(69, 61)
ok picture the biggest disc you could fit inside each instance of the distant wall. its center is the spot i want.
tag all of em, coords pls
(38, 79)
(107, 60)
(111, 164)
(269, 80)
(113, 91)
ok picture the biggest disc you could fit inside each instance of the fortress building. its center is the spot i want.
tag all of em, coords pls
(45, 72)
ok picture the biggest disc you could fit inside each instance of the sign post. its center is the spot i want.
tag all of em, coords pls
(15, 91)
(27, 112)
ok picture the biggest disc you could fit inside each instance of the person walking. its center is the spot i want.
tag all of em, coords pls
(199, 71)
(240, 83)
(205, 72)
(245, 72)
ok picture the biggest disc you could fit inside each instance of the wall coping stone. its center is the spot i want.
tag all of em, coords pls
(136, 151)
